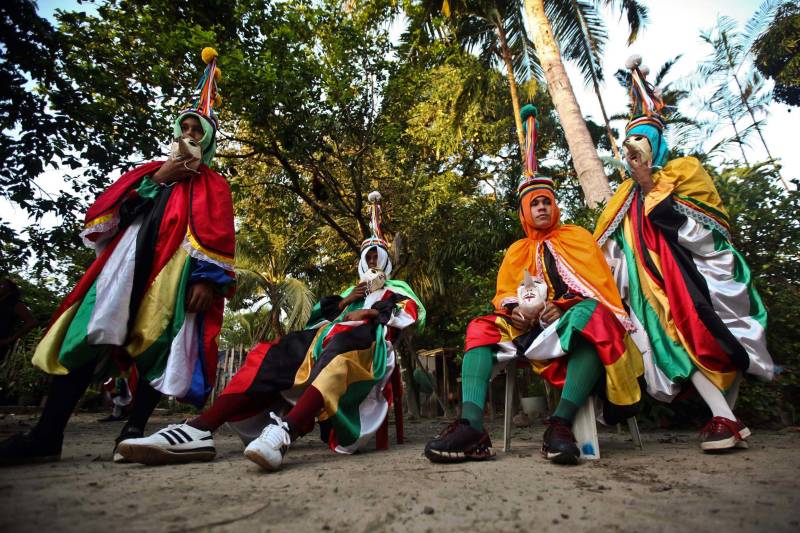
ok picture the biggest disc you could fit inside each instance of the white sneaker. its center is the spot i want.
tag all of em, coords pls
(176, 443)
(268, 449)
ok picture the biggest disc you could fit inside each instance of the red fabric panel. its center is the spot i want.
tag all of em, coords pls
(242, 380)
(482, 331)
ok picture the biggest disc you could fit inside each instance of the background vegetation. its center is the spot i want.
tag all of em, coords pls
(324, 103)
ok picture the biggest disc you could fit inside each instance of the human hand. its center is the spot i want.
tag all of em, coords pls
(199, 297)
(361, 314)
(551, 313)
(175, 170)
(357, 293)
(523, 320)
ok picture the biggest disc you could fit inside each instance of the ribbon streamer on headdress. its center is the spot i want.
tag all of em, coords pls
(376, 239)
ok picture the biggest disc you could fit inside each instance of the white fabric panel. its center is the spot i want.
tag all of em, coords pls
(730, 298)
(109, 321)
(183, 353)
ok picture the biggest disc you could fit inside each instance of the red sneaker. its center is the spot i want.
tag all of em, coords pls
(722, 434)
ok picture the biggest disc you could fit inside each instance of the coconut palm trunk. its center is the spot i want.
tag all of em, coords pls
(505, 51)
(590, 171)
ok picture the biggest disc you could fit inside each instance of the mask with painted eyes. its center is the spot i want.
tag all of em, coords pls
(374, 278)
(638, 146)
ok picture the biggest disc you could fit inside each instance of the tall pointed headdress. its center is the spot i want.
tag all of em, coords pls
(206, 98)
(646, 102)
(531, 179)
(647, 111)
(376, 239)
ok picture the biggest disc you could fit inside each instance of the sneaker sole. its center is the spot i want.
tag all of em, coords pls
(154, 455)
(458, 457)
(727, 444)
(562, 458)
(260, 460)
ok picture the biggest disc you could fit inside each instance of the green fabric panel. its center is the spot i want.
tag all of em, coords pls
(401, 287)
(668, 354)
(476, 369)
(152, 363)
(75, 349)
(347, 420)
(148, 188)
(743, 275)
(573, 322)
(584, 370)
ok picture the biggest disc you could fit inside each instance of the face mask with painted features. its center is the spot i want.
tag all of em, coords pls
(186, 149)
(532, 293)
(375, 279)
(638, 146)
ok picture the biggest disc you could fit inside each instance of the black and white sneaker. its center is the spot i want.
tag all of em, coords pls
(268, 449)
(176, 443)
(459, 442)
(127, 433)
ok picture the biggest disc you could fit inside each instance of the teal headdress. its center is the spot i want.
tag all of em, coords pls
(203, 106)
(531, 179)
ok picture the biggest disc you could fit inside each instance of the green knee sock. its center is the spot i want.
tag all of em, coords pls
(476, 369)
(583, 370)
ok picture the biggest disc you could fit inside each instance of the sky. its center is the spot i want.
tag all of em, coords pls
(674, 28)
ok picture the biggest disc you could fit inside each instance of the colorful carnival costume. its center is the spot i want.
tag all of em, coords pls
(154, 242)
(337, 370)
(585, 345)
(690, 294)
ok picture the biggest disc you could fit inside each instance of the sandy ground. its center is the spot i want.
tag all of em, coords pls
(671, 486)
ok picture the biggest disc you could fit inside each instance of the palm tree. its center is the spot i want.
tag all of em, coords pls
(587, 163)
(730, 55)
(495, 31)
(263, 281)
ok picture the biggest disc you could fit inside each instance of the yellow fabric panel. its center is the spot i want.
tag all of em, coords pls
(46, 355)
(304, 372)
(344, 370)
(158, 305)
(612, 207)
(621, 384)
(687, 177)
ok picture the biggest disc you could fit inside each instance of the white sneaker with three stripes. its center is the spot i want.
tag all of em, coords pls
(176, 443)
(268, 449)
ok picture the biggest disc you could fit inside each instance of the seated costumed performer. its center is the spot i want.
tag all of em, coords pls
(337, 369)
(154, 295)
(666, 234)
(567, 319)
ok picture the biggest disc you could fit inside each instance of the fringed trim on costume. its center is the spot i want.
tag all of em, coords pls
(701, 217)
(612, 227)
(99, 227)
(203, 255)
(578, 285)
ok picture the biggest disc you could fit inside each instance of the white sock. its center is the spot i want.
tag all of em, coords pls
(712, 396)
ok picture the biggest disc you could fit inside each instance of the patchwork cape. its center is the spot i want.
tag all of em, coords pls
(151, 241)
(350, 363)
(690, 293)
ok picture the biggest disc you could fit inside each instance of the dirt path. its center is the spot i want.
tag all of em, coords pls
(671, 486)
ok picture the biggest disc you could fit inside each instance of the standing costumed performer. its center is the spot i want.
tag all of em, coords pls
(666, 234)
(164, 238)
(337, 370)
(566, 318)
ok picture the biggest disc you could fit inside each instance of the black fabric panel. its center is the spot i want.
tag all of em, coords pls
(386, 307)
(358, 338)
(669, 221)
(560, 288)
(146, 245)
(281, 362)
